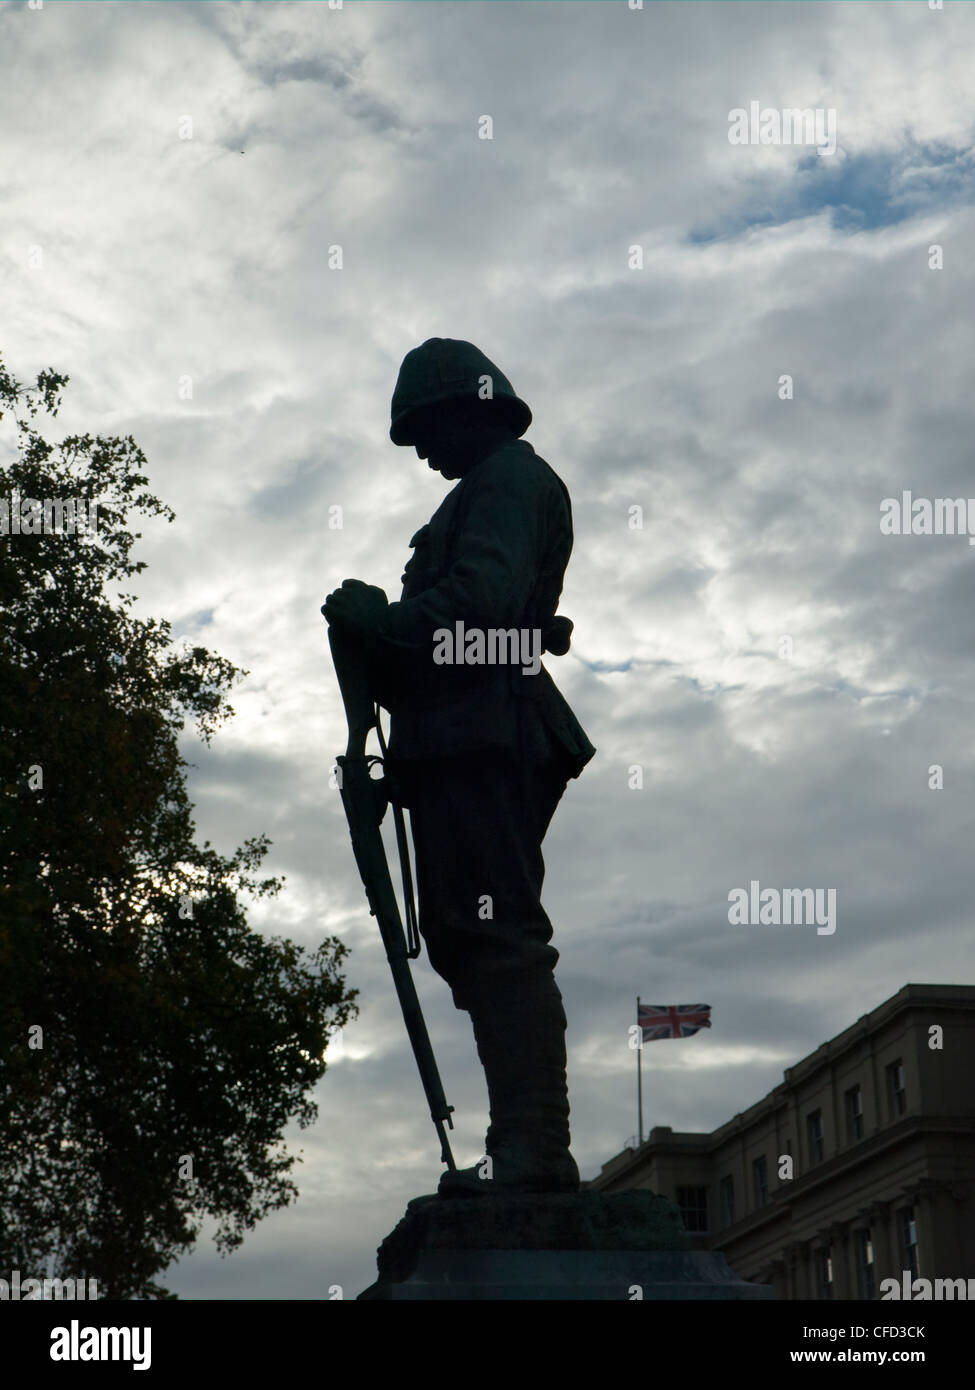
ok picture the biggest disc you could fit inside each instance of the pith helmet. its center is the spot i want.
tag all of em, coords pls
(444, 369)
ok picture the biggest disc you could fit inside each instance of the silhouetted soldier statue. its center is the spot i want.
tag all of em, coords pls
(481, 750)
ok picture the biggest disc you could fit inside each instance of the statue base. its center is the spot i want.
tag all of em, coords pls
(586, 1245)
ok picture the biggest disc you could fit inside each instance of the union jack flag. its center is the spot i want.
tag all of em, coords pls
(672, 1020)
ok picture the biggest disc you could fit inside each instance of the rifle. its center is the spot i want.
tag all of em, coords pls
(365, 799)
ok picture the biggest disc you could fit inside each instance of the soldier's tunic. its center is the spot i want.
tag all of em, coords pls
(482, 753)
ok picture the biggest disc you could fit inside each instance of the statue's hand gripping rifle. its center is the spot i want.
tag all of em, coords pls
(365, 799)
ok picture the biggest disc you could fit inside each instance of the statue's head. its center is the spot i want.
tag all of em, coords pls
(454, 405)
(455, 434)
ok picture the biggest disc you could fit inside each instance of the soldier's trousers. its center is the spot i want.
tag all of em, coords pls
(478, 822)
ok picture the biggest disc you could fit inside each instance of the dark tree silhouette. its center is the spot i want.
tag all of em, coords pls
(142, 1022)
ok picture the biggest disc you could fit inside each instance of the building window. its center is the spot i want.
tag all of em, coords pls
(866, 1274)
(907, 1229)
(760, 1180)
(896, 1093)
(824, 1273)
(727, 1190)
(854, 1114)
(693, 1203)
(814, 1135)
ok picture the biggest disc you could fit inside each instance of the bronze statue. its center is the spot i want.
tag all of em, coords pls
(482, 744)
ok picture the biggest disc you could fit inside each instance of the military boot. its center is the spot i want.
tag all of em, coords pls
(519, 1026)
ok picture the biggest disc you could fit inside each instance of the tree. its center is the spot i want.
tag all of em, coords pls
(152, 1045)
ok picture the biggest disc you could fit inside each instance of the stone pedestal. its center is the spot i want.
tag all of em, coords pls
(586, 1245)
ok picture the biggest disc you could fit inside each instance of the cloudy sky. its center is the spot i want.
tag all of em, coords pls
(185, 168)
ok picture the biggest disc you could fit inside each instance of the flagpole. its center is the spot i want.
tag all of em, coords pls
(639, 1077)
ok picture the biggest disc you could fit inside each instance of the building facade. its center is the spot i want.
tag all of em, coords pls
(858, 1167)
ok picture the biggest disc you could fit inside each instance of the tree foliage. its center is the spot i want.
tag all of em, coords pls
(142, 1022)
